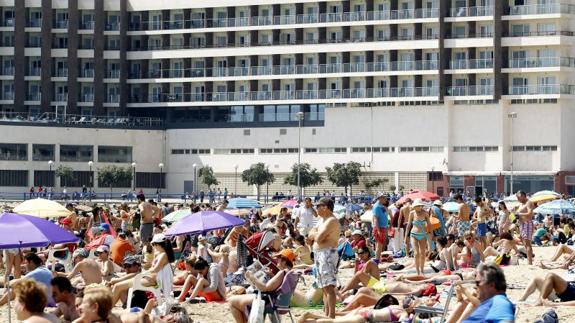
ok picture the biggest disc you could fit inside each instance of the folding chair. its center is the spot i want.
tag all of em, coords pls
(54, 257)
(437, 311)
(138, 286)
(281, 304)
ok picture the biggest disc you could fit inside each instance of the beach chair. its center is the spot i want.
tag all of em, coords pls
(438, 311)
(54, 256)
(138, 286)
(281, 304)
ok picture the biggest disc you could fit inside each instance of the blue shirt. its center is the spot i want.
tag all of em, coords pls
(43, 276)
(493, 310)
(380, 214)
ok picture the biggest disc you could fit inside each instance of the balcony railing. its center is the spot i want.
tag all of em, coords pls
(291, 95)
(542, 89)
(471, 64)
(78, 120)
(8, 22)
(113, 74)
(534, 62)
(61, 97)
(61, 24)
(451, 35)
(113, 98)
(539, 33)
(290, 69)
(87, 97)
(87, 73)
(542, 9)
(36, 71)
(33, 96)
(87, 25)
(113, 26)
(7, 71)
(35, 23)
(471, 11)
(8, 96)
(471, 90)
(287, 19)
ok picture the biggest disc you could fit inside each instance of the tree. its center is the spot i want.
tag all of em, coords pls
(344, 175)
(375, 183)
(65, 173)
(258, 174)
(392, 188)
(112, 175)
(207, 176)
(308, 176)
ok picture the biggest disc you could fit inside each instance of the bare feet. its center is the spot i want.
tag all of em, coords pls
(542, 265)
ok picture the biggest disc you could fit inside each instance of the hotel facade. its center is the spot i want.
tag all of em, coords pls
(428, 94)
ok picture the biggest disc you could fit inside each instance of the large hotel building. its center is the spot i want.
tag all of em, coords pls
(427, 94)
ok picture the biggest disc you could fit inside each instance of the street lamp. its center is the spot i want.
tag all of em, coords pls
(300, 116)
(134, 176)
(267, 184)
(195, 186)
(236, 180)
(50, 182)
(512, 116)
(90, 164)
(161, 165)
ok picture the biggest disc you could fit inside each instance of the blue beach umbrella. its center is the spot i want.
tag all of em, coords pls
(556, 207)
(243, 203)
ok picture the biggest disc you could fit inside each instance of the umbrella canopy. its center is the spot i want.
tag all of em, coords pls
(204, 221)
(23, 231)
(367, 216)
(42, 208)
(354, 207)
(243, 203)
(451, 207)
(238, 212)
(177, 215)
(546, 192)
(338, 208)
(426, 196)
(544, 198)
(274, 210)
(290, 204)
(556, 207)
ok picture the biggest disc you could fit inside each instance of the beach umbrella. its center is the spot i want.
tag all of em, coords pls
(367, 216)
(546, 192)
(42, 208)
(204, 221)
(238, 212)
(289, 204)
(556, 207)
(338, 208)
(451, 207)
(274, 210)
(243, 203)
(177, 215)
(422, 195)
(24, 231)
(354, 207)
(544, 198)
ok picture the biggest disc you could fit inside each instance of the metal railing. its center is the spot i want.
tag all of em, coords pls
(36, 71)
(87, 25)
(8, 96)
(113, 98)
(61, 97)
(539, 33)
(451, 35)
(532, 62)
(61, 24)
(79, 120)
(290, 95)
(290, 69)
(35, 23)
(87, 73)
(113, 74)
(471, 11)
(470, 90)
(542, 89)
(33, 96)
(8, 70)
(112, 26)
(87, 97)
(286, 19)
(541, 9)
(470, 64)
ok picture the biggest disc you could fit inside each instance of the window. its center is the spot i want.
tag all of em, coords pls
(44, 178)
(433, 149)
(150, 180)
(42, 152)
(114, 154)
(76, 153)
(14, 178)
(221, 151)
(177, 151)
(78, 179)
(246, 132)
(283, 132)
(435, 176)
(13, 152)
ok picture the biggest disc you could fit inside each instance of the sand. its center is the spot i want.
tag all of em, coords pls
(517, 276)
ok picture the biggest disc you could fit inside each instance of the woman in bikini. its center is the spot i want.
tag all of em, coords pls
(417, 231)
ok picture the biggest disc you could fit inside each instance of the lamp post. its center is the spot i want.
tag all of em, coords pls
(236, 180)
(433, 179)
(195, 185)
(267, 184)
(512, 116)
(161, 165)
(134, 176)
(300, 116)
(50, 163)
(90, 164)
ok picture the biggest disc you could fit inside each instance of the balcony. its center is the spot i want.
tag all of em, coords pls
(472, 90)
(35, 23)
(465, 64)
(468, 35)
(542, 89)
(471, 11)
(542, 9)
(8, 96)
(87, 25)
(33, 96)
(89, 73)
(287, 19)
(113, 26)
(35, 71)
(538, 33)
(362, 93)
(113, 98)
(113, 74)
(61, 24)
(535, 62)
(7, 22)
(61, 97)
(8, 71)
(87, 97)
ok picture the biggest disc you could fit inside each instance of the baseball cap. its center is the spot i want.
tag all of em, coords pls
(381, 194)
(105, 227)
(81, 252)
(158, 238)
(437, 203)
(66, 221)
(357, 232)
(289, 254)
(131, 260)
(103, 248)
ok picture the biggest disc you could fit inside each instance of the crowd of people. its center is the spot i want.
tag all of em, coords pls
(126, 269)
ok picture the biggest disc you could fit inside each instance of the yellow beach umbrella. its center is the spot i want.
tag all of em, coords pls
(543, 198)
(42, 208)
(274, 210)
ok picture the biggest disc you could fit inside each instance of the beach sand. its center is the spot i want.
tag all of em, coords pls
(517, 276)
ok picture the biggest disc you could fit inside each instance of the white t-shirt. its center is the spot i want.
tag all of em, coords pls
(306, 217)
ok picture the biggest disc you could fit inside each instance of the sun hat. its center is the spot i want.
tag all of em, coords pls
(81, 252)
(103, 248)
(437, 203)
(418, 202)
(131, 260)
(357, 232)
(158, 238)
(288, 254)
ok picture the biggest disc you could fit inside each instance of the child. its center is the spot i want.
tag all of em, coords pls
(302, 251)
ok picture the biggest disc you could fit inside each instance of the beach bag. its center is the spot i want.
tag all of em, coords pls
(257, 310)
(549, 317)
(435, 224)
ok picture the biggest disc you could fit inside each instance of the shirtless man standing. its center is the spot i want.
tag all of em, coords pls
(481, 215)
(89, 270)
(148, 212)
(525, 215)
(464, 223)
(402, 221)
(325, 238)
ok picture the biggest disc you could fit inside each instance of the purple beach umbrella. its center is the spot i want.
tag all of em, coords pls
(204, 221)
(23, 231)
